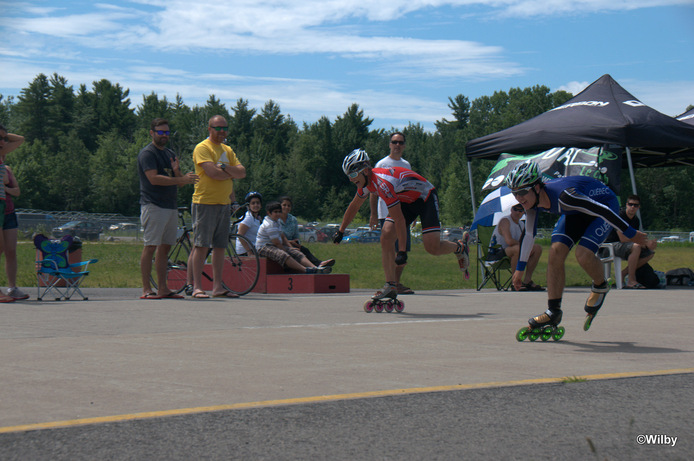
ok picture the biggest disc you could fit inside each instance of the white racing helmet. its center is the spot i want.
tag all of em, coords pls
(356, 160)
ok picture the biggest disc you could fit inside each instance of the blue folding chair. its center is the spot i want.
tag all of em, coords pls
(54, 274)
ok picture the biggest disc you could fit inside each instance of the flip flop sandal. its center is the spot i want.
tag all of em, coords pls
(150, 296)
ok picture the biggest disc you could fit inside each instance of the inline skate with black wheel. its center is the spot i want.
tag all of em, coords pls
(385, 299)
(544, 326)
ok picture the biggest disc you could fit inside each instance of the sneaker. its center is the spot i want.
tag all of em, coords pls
(327, 262)
(403, 290)
(324, 270)
(311, 270)
(17, 294)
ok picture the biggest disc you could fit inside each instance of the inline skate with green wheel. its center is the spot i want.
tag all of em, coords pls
(385, 299)
(544, 326)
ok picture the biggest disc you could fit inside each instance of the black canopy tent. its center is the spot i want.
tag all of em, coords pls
(603, 114)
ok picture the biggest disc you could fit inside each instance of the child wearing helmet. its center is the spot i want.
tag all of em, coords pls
(407, 196)
(249, 225)
(587, 209)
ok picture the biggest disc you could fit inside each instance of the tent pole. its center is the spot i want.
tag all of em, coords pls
(633, 183)
(472, 187)
(631, 172)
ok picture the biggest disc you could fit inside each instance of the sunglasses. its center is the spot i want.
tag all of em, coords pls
(162, 132)
(635, 205)
(398, 142)
(517, 208)
(220, 128)
(4, 138)
(521, 192)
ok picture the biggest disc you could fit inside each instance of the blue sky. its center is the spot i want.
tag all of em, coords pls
(399, 60)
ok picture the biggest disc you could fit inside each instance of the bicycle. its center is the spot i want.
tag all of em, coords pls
(244, 269)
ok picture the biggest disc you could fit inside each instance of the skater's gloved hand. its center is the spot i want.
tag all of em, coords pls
(337, 236)
(401, 258)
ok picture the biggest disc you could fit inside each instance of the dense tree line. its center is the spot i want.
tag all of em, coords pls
(81, 150)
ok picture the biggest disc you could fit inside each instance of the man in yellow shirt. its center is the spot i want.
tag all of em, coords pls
(217, 166)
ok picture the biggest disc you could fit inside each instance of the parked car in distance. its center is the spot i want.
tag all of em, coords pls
(669, 239)
(321, 236)
(306, 234)
(86, 230)
(122, 226)
(363, 237)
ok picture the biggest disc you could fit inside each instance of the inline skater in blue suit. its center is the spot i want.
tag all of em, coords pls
(588, 210)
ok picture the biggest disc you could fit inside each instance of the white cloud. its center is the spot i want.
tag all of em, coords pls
(574, 87)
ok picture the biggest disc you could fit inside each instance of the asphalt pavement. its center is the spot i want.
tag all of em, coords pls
(314, 376)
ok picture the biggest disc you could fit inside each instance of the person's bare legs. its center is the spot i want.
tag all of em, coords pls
(146, 268)
(556, 275)
(161, 263)
(388, 238)
(591, 264)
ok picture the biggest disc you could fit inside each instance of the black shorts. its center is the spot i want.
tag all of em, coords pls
(427, 211)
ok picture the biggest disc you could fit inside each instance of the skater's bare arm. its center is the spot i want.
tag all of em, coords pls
(351, 212)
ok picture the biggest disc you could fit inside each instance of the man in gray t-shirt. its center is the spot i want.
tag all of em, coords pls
(160, 177)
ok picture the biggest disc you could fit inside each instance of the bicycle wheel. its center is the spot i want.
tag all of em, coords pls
(241, 272)
(177, 267)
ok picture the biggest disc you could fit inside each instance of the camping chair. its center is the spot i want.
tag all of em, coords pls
(54, 274)
(494, 271)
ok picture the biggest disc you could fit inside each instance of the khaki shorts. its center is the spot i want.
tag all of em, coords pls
(211, 225)
(159, 224)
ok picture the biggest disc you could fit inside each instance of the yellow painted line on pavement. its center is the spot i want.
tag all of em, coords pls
(329, 398)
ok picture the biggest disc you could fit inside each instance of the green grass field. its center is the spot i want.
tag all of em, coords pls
(118, 265)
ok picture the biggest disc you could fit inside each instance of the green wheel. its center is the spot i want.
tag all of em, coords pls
(588, 322)
(559, 334)
(535, 334)
(547, 333)
(522, 333)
